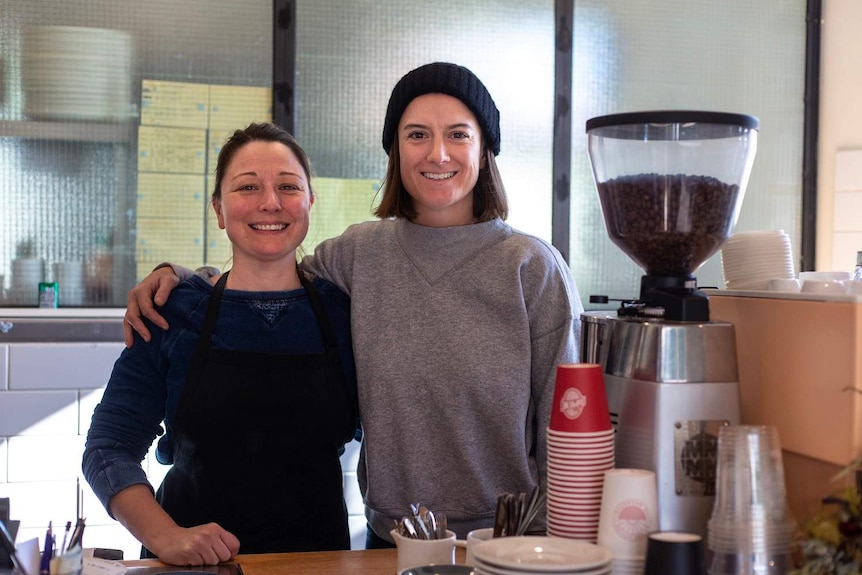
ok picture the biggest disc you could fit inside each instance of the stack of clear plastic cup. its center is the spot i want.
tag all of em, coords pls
(751, 528)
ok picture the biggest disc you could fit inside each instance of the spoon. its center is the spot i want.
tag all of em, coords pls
(408, 528)
(432, 525)
(420, 514)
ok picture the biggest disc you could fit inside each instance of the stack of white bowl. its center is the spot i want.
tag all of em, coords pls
(76, 73)
(750, 259)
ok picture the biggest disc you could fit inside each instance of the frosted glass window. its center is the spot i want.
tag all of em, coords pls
(350, 53)
(732, 56)
(70, 99)
(68, 186)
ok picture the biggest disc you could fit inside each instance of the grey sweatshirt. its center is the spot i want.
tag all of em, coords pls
(457, 333)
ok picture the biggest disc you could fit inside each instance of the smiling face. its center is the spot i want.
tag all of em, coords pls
(440, 147)
(264, 203)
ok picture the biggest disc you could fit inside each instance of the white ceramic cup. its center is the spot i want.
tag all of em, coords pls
(790, 285)
(418, 552)
(474, 538)
(70, 276)
(629, 512)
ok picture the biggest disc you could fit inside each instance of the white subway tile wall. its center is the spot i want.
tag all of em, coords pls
(47, 395)
(4, 367)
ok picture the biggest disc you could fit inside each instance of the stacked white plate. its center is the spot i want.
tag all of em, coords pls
(576, 473)
(750, 259)
(540, 556)
(76, 73)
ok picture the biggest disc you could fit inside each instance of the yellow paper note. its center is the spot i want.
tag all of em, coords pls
(174, 150)
(163, 195)
(176, 104)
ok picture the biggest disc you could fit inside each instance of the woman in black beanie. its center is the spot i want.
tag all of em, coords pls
(451, 86)
(458, 320)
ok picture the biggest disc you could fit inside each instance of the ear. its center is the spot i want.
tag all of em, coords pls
(216, 203)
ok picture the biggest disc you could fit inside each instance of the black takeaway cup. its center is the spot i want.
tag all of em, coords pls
(674, 553)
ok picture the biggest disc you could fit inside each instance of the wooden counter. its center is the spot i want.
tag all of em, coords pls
(370, 562)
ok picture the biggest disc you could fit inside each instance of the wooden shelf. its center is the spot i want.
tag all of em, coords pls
(118, 132)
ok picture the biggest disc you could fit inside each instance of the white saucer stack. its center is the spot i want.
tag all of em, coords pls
(27, 274)
(750, 259)
(76, 73)
(531, 555)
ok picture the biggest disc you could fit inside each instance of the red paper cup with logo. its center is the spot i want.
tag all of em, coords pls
(580, 400)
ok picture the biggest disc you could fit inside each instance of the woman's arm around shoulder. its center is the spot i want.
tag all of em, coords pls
(153, 291)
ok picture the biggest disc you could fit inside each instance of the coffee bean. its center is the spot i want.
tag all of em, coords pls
(668, 224)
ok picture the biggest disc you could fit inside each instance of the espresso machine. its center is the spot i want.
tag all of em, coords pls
(671, 184)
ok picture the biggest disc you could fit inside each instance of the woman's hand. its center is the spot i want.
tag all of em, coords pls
(207, 544)
(136, 508)
(153, 289)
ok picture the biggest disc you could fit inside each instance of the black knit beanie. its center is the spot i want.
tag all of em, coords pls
(452, 80)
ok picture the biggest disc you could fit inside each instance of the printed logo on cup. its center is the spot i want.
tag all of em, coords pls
(573, 403)
(631, 520)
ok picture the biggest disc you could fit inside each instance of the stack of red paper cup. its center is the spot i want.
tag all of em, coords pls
(580, 450)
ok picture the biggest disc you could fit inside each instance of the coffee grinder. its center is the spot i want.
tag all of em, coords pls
(671, 185)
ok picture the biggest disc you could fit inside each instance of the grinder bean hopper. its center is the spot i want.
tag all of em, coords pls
(671, 184)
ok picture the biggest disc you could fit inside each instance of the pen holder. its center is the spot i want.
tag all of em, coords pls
(69, 563)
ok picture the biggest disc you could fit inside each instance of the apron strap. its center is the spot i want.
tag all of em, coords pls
(320, 314)
(208, 326)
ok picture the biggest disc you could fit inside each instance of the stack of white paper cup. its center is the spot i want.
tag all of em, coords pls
(629, 514)
(70, 277)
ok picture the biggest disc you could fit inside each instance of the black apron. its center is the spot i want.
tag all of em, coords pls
(256, 443)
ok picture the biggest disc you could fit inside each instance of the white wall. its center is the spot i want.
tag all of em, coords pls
(839, 237)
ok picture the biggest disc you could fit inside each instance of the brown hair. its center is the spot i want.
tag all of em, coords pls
(489, 195)
(263, 132)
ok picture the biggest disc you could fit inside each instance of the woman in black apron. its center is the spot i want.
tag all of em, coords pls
(257, 431)
(289, 416)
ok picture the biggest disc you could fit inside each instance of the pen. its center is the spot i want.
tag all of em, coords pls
(77, 534)
(47, 552)
(65, 535)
